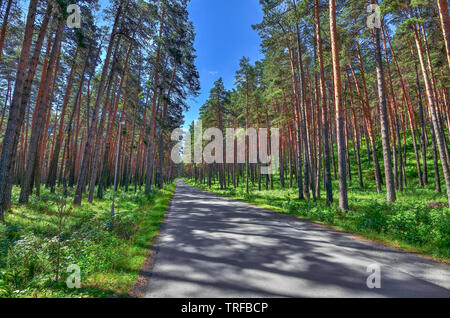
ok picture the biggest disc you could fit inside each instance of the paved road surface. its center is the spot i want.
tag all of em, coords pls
(217, 247)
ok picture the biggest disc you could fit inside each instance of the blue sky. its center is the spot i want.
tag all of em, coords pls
(223, 36)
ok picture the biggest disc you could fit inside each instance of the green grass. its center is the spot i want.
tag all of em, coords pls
(110, 253)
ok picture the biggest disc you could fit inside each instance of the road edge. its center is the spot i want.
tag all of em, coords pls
(140, 286)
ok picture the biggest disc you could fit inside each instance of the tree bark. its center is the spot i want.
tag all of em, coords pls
(385, 133)
(148, 181)
(5, 24)
(445, 26)
(343, 200)
(16, 115)
(325, 133)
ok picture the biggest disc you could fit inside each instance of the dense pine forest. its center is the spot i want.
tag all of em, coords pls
(84, 109)
(67, 90)
(359, 91)
(363, 115)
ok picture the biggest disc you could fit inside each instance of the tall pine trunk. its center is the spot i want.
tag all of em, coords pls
(4, 26)
(325, 132)
(16, 115)
(343, 200)
(445, 26)
(385, 133)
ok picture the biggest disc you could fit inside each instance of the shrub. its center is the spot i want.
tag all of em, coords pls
(4, 242)
(374, 220)
(249, 197)
(125, 226)
(291, 206)
(440, 223)
(28, 256)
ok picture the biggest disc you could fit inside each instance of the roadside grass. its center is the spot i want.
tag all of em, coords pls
(409, 224)
(110, 252)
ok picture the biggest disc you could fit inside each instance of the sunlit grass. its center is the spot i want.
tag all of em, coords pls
(110, 253)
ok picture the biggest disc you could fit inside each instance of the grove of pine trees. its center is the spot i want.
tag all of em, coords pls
(66, 91)
(364, 105)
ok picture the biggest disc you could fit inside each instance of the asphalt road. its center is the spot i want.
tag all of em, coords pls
(212, 246)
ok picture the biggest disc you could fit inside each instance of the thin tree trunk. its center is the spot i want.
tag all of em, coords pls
(445, 26)
(148, 182)
(343, 200)
(5, 24)
(385, 133)
(423, 131)
(325, 133)
(16, 115)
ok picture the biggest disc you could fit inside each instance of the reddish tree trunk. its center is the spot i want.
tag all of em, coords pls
(16, 115)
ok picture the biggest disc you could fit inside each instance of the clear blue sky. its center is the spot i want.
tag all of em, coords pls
(223, 36)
